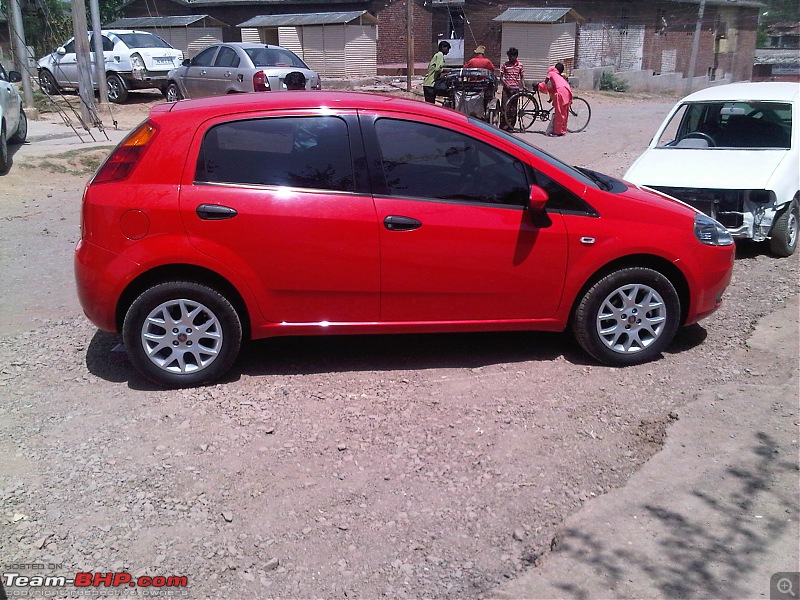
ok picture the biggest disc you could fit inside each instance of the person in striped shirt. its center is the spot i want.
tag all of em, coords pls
(512, 76)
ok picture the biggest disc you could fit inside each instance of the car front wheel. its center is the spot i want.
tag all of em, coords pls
(182, 334)
(628, 317)
(22, 129)
(783, 240)
(48, 83)
(4, 163)
(117, 92)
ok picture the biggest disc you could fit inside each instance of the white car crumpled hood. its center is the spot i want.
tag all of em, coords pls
(705, 168)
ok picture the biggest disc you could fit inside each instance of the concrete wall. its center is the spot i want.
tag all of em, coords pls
(642, 81)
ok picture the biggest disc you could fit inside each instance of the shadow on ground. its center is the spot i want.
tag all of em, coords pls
(695, 560)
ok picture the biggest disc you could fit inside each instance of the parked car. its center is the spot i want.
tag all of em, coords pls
(134, 60)
(237, 67)
(732, 152)
(13, 122)
(219, 220)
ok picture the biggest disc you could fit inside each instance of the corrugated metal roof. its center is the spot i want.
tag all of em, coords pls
(328, 18)
(179, 21)
(537, 15)
(731, 3)
(776, 56)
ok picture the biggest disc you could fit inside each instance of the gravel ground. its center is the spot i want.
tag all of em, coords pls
(400, 466)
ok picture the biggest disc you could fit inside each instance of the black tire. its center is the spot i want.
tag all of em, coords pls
(22, 129)
(117, 92)
(200, 346)
(523, 110)
(783, 239)
(48, 83)
(580, 113)
(4, 160)
(172, 93)
(628, 317)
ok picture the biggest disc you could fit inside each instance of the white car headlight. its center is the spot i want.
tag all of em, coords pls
(709, 232)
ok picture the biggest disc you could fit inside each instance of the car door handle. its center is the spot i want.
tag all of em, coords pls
(396, 223)
(227, 73)
(215, 212)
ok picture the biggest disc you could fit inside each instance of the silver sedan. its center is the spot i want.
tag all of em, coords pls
(237, 67)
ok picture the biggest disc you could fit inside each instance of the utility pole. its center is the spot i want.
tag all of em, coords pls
(410, 37)
(99, 57)
(695, 46)
(85, 89)
(21, 50)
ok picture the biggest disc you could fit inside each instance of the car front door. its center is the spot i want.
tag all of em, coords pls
(65, 66)
(456, 241)
(277, 200)
(196, 80)
(9, 102)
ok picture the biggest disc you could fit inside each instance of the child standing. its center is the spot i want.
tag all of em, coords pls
(512, 76)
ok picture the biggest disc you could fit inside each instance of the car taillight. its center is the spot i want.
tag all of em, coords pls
(126, 156)
(260, 82)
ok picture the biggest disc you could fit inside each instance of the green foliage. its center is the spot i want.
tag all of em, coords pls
(611, 82)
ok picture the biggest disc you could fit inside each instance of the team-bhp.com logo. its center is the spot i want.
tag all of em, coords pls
(90, 580)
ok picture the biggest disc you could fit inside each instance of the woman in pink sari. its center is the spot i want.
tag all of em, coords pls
(560, 96)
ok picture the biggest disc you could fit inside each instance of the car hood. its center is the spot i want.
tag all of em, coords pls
(704, 168)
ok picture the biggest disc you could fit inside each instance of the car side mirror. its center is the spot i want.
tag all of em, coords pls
(61, 50)
(14, 76)
(186, 62)
(537, 200)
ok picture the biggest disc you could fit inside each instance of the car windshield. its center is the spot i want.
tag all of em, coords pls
(729, 125)
(142, 40)
(539, 153)
(274, 57)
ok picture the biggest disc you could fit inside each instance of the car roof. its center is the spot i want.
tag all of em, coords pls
(770, 91)
(308, 100)
(249, 45)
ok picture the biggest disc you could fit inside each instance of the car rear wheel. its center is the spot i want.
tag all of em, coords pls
(783, 240)
(628, 317)
(182, 334)
(173, 92)
(3, 149)
(22, 129)
(117, 92)
(48, 83)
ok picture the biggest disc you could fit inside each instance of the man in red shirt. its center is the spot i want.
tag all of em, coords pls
(479, 61)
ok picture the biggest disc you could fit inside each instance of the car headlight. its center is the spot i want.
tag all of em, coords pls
(709, 232)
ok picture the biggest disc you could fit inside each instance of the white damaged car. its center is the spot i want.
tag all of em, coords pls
(732, 152)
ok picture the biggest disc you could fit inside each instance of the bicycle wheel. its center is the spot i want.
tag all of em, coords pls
(522, 110)
(579, 114)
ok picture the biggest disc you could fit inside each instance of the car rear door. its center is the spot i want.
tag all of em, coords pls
(456, 242)
(278, 200)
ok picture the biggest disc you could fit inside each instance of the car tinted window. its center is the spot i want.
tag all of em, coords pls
(205, 58)
(142, 40)
(425, 161)
(108, 45)
(227, 57)
(70, 48)
(304, 152)
(274, 57)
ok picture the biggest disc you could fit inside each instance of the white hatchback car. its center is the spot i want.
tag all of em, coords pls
(134, 60)
(732, 152)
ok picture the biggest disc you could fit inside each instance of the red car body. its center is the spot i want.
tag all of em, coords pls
(296, 260)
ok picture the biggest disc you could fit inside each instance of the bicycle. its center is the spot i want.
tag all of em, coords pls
(526, 106)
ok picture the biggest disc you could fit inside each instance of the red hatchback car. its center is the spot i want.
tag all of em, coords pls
(316, 213)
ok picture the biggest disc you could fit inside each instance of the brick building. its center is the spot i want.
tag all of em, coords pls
(651, 36)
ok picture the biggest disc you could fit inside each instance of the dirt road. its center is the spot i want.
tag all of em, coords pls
(408, 466)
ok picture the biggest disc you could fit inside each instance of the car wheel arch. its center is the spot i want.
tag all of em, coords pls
(182, 272)
(647, 261)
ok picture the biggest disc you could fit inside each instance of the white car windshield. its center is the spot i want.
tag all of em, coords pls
(729, 125)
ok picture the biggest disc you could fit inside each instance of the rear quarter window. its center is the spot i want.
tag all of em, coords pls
(302, 152)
